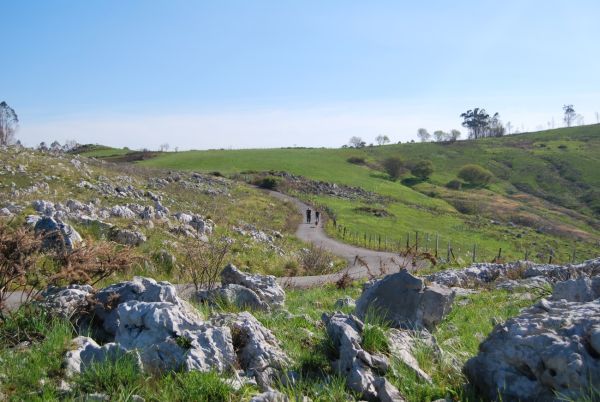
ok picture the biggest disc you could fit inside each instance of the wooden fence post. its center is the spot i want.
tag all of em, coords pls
(417, 241)
(573, 257)
(526, 254)
(448, 256)
(437, 243)
(474, 245)
(499, 253)
(551, 255)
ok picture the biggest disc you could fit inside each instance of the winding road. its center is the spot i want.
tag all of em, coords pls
(361, 261)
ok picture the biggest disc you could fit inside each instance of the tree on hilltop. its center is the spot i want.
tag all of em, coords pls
(382, 139)
(570, 115)
(357, 142)
(423, 135)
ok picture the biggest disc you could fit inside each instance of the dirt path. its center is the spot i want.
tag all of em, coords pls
(375, 260)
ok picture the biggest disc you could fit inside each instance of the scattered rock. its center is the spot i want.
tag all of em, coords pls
(127, 237)
(265, 286)
(362, 370)
(236, 295)
(258, 351)
(345, 301)
(550, 349)
(66, 302)
(270, 396)
(57, 234)
(484, 273)
(405, 300)
(401, 344)
(578, 290)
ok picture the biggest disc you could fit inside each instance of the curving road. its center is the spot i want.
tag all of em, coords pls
(361, 261)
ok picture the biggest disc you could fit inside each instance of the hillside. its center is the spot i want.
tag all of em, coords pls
(543, 199)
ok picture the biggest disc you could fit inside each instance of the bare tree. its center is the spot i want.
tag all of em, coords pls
(382, 139)
(423, 134)
(357, 142)
(9, 122)
(164, 147)
(509, 127)
(597, 117)
(569, 116)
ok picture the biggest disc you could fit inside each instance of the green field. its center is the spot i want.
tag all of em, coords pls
(543, 200)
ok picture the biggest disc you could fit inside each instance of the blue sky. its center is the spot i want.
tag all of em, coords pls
(279, 73)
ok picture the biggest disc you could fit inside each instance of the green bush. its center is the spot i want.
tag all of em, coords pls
(475, 175)
(394, 167)
(422, 169)
(269, 182)
(454, 184)
(357, 160)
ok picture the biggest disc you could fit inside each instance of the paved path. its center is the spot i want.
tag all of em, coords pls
(361, 261)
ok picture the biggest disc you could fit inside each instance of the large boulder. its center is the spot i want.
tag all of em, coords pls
(363, 371)
(550, 352)
(258, 351)
(57, 234)
(168, 338)
(106, 301)
(405, 301)
(265, 286)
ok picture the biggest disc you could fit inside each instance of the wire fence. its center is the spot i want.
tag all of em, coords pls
(449, 251)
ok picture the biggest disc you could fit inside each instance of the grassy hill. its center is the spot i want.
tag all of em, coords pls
(543, 198)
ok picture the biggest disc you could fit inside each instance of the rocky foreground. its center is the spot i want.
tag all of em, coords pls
(548, 352)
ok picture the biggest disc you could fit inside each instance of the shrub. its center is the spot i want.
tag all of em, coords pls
(454, 184)
(394, 167)
(316, 260)
(203, 261)
(422, 169)
(269, 182)
(19, 254)
(475, 175)
(357, 160)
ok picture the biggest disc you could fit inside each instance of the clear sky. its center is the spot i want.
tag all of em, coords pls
(200, 74)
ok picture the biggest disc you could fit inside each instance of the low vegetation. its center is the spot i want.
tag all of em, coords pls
(541, 201)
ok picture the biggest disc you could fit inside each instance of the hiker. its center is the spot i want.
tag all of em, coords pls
(308, 214)
(317, 215)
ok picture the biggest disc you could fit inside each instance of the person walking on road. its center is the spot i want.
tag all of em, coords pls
(308, 215)
(317, 216)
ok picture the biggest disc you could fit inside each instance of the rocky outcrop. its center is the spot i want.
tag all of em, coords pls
(406, 301)
(402, 344)
(105, 302)
(550, 352)
(127, 237)
(162, 333)
(485, 273)
(236, 295)
(246, 290)
(578, 290)
(66, 302)
(57, 234)
(364, 372)
(258, 351)
(169, 338)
